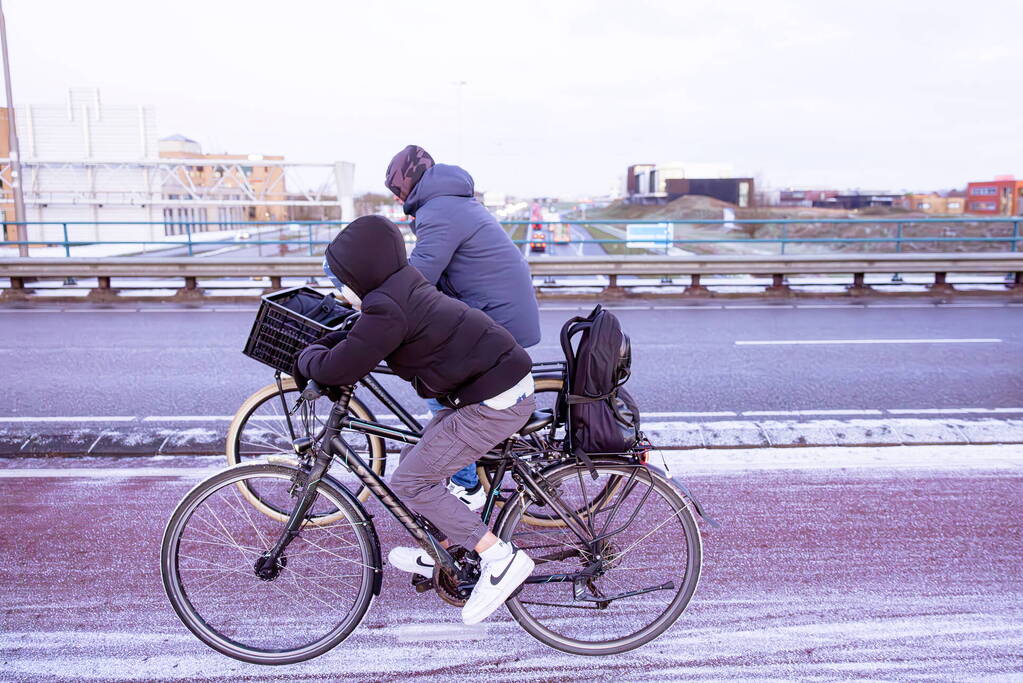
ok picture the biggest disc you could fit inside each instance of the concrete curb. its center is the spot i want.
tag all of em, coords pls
(134, 439)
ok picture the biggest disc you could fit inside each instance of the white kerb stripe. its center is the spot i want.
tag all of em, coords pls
(803, 342)
(72, 418)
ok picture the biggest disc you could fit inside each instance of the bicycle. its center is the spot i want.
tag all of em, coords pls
(627, 548)
(271, 418)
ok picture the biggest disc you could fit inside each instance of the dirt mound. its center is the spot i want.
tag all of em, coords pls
(709, 208)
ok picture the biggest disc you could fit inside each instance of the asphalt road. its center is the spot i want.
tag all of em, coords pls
(578, 247)
(817, 573)
(171, 361)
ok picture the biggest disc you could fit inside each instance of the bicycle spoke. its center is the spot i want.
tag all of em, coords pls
(316, 593)
(641, 559)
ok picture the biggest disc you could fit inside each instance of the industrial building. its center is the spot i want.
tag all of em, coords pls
(1002, 196)
(665, 182)
(99, 172)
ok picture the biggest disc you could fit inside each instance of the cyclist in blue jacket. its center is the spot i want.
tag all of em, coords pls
(464, 251)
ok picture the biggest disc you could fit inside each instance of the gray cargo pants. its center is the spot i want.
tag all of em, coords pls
(452, 440)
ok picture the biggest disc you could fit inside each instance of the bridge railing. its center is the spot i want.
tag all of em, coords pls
(190, 278)
(769, 235)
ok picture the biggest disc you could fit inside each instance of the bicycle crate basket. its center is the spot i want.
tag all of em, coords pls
(279, 333)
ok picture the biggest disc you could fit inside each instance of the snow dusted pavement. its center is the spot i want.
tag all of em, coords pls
(898, 563)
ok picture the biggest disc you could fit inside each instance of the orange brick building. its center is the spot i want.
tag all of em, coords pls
(1002, 196)
(227, 176)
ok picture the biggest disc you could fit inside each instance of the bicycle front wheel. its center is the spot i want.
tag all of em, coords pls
(317, 594)
(634, 535)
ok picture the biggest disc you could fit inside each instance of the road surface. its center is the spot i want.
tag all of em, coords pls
(909, 567)
(167, 360)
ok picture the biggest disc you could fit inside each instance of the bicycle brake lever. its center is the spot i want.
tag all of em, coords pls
(312, 391)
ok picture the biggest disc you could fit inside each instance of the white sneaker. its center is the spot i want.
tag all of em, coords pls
(411, 560)
(473, 498)
(498, 580)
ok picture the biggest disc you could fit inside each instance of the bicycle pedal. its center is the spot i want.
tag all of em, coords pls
(422, 583)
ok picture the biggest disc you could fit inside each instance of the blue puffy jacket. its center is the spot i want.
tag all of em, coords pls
(462, 248)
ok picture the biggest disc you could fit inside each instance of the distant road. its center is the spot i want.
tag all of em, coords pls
(172, 361)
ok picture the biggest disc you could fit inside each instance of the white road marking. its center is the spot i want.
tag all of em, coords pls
(803, 342)
(650, 414)
(108, 472)
(73, 418)
(953, 411)
(686, 462)
(775, 413)
(717, 413)
(831, 305)
(688, 308)
(944, 305)
(758, 306)
(936, 458)
(709, 307)
(196, 418)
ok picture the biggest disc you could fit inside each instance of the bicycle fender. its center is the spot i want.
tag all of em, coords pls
(366, 520)
(688, 494)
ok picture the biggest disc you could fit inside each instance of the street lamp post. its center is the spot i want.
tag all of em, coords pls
(12, 132)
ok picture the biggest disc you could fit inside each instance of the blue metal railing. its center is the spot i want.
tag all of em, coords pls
(310, 236)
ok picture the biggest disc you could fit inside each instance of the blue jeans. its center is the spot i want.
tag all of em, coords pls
(465, 477)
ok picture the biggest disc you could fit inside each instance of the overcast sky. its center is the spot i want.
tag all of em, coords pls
(560, 96)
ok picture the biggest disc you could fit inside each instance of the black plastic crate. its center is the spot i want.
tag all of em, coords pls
(279, 334)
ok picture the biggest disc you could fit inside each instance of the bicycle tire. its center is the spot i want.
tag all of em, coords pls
(512, 515)
(376, 457)
(338, 496)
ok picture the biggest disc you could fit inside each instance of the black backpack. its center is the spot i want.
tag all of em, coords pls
(326, 310)
(602, 416)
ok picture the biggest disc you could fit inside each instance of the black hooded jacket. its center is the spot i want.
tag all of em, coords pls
(446, 349)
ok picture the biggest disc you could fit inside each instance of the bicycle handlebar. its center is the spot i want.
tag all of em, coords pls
(312, 391)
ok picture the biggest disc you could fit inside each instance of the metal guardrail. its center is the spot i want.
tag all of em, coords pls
(22, 272)
(309, 238)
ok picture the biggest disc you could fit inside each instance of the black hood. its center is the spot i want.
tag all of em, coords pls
(367, 252)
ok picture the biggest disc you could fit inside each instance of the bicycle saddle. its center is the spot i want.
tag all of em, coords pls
(537, 421)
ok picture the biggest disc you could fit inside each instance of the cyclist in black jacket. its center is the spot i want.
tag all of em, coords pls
(450, 352)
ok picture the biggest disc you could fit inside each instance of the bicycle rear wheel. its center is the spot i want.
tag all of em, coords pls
(322, 585)
(648, 561)
(260, 429)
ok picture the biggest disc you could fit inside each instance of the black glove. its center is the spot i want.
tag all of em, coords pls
(300, 379)
(332, 339)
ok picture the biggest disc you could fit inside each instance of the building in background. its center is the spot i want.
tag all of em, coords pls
(99, 172)
(1002, 196)
(665, 182)
(82, 140)
(862, 200)
(805, 198)
(233, 178)
(936, 204)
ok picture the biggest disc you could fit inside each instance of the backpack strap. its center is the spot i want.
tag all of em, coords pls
(575, 399)
(585, 459)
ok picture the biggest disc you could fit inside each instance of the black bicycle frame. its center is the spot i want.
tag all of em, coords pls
(338, 448)
(542, 369)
